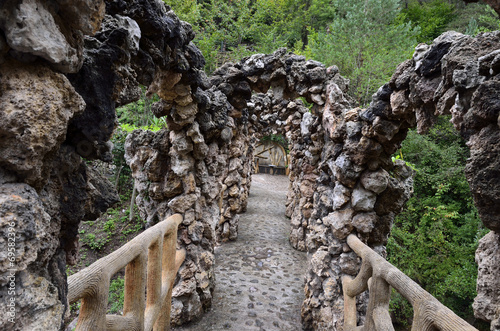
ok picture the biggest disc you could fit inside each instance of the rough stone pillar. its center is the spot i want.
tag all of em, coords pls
(488, 284)
(359, 190)
(45, 187)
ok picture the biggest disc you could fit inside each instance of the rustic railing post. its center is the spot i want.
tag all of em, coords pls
(93, 307)
(378, 306)
(154, 278)
(133, 304)
(151, 262)
(378, 276)
(168, 272)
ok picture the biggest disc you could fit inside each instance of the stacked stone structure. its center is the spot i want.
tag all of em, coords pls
(66, 65)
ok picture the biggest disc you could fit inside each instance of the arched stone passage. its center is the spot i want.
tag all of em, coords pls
(337, 174)
(345, 180)
(207, 153)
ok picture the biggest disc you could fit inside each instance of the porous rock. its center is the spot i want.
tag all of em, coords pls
(488, 284)
(37, 105)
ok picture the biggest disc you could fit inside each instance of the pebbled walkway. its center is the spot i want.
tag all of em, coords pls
(259, 277)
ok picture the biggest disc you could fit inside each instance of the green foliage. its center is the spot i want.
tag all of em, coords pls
(366, 41)
(93, 242)
(432, 17)
(279, 23)
(474, 18)
(434, 239)
(136, 115)
(229, 30)
(139, 112)
(109, 226)
(486, 22)
(401, 310)
(116, 296)
(186, 10)
(100, 236)
(75, 307)
(221, 28)
(277, 138)
(112, 225)
(437, 16)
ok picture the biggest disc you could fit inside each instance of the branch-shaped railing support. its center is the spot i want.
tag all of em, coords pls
(151, 262)
(377, 275)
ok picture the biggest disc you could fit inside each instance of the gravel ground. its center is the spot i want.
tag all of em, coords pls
(259, 277)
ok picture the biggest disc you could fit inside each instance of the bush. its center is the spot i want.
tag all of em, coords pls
(116, 296)
(366, 42)
(432, 17)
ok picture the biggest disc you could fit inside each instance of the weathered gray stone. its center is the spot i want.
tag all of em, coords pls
(24, 222)
(341, 195)
(37, 105)
(363, 200)
(180, 143)
(305, 125)
(340, 222)
(488, 284)
(182, 165)
(320, 262)
(31, 28)
(37, 305)
(133, 31)
(365, 222)
(375, 181)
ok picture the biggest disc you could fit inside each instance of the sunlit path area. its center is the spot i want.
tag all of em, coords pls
(259, 277)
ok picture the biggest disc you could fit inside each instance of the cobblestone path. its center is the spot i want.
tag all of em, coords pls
(259, 277)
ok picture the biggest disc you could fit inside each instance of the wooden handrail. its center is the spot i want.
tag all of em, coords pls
(377, 275)
(151, 263)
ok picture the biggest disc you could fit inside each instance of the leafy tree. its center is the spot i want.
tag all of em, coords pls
(481, 18)
(186, 10)
(287, 22)
(434, 239)
(432, 17)
(366, 42)
(230, 30)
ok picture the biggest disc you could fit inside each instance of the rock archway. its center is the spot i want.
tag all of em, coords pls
(57, 105)
(343, 178)
(208, 154)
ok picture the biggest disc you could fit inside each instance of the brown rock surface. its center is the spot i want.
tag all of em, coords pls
(37, 105)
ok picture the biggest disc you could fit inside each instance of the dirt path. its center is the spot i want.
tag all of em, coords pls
(259, 277)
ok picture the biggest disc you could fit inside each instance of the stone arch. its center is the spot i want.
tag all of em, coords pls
(349, 184)
(207, 152)
(331, 154)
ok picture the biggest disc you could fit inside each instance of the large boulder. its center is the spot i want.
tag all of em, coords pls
(37, 105)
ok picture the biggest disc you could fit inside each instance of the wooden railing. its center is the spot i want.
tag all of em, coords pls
(377, 275)
(151, 262)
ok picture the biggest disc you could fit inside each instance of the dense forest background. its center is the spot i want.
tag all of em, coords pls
(433, 241)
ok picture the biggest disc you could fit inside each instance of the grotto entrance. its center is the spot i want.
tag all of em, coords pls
(337, 171)
(259, 277)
